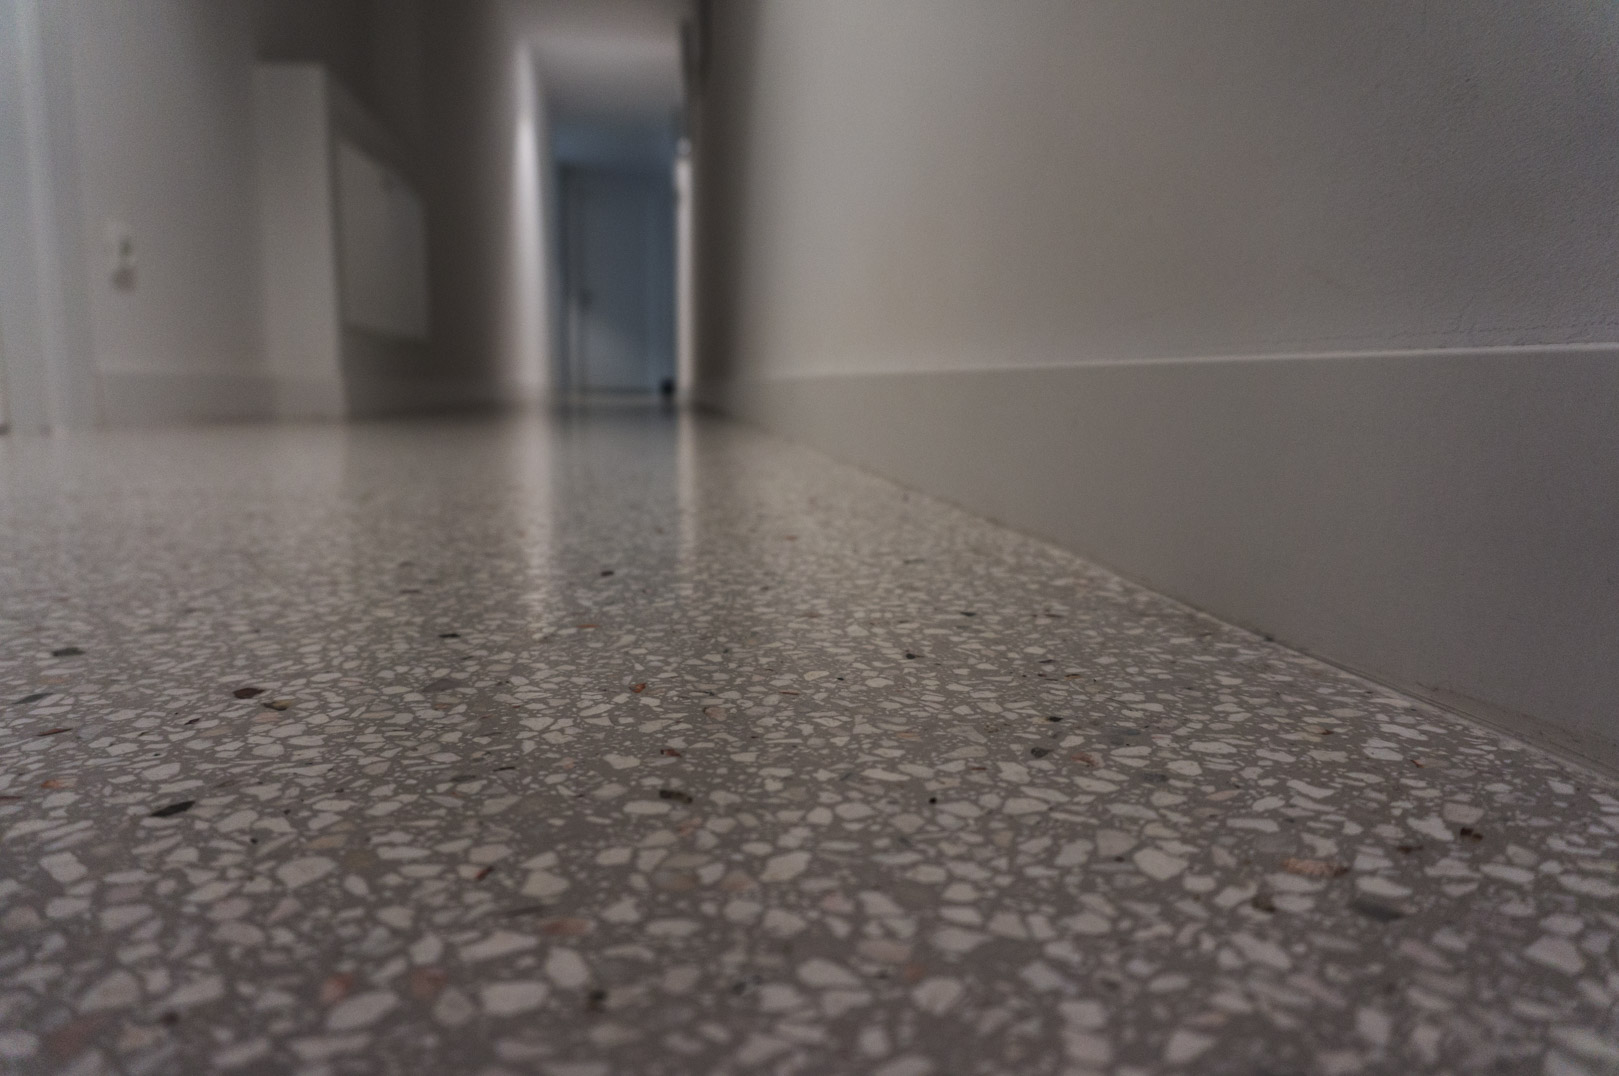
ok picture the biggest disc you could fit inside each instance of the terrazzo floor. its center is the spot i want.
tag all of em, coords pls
(632, 743)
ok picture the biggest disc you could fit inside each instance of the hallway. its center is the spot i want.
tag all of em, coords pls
(631, 741)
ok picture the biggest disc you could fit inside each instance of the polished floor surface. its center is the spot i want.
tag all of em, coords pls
(628, 743)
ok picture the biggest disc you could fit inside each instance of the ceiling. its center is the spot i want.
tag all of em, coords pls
(605, 61)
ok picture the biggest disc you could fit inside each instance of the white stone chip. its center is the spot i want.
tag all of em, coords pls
(507, 999)
(823, 973)
(500, 943)
(937, 995)
(1184, 1046)
(114, 992)
(360, 1010)
(16, 1045)
(544, 884)
(64, 867)
(786, 867)
(301, 872)
(567, 969)
(1158, 865)
(1556, 953)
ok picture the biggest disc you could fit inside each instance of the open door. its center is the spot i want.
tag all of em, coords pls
(619, 280)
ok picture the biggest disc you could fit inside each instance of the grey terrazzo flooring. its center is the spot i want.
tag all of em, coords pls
(625, 743)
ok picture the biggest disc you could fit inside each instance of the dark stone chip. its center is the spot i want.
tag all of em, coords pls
(66, 652)
(35, 697)
(674, 794)
(174, 808)
(1039, 752)
(449, 635)
(1376, 910)
(606, 572)
(247, 692)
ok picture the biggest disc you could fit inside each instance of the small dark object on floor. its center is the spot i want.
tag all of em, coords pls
(1376, 910)
(1039, 752)
(674, 794)
(606, 572)
(449, 635)
(66, 652)
(35, 697)
(173, 809)
(247, 692)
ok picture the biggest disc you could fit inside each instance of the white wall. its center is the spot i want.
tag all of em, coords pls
(1091, 181)
(485, 180)
(24, 189)
(138, 116)
(49, 353)
(163, 97)
(1207, 291)
(303, 347)
(382, 246)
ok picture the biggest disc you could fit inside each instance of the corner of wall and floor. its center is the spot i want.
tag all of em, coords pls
(1174, 292)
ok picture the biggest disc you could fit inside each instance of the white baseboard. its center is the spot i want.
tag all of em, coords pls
(140, 398)
(1447, 522)
(153, 399)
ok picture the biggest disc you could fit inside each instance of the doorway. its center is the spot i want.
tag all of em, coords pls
(618, 269)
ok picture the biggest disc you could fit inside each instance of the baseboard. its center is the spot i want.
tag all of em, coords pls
(1447, 522)
(384, 396)
(157, 399)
